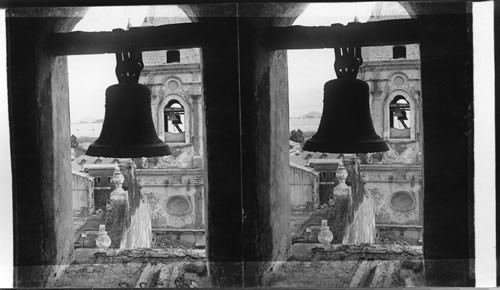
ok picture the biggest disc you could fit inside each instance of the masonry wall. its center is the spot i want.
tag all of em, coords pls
(385, 52)
(362, 228)
(386, 79)
(395, 176)
(173, 185)
(396, 191)
(139, 233)
(182, 82)
(360, 216)
(83, 192)
(128, 220)
(175, 197)
(303, 187)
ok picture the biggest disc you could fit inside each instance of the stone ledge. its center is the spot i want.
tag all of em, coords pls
(117, 256)
(152, 253)
(368, 252)
(391, 167)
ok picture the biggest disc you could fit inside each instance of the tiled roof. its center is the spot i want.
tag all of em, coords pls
(303, 157)
(76, 164)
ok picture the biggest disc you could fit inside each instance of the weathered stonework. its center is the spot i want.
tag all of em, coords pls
(83, 193)
(175, 196)
(383, 78)
(304, 189)
(138, 234)
(360, 226)
(394, 178)
(383, 181)
(179, 82)
(128, 219)
(173, 186)
(349, 212)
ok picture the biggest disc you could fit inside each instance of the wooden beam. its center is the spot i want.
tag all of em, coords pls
(188, 35)
(387, 32)
(185, 35)
(88, 3)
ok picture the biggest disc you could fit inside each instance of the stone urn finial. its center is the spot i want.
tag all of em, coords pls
(118, 179)
(341, 175)
(325, 236)
(103, 241)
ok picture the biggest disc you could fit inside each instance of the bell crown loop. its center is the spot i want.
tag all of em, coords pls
(129, 66)
(128, 62)
(347, 61)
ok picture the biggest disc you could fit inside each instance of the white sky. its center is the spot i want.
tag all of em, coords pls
(308, 70)
(90, 75)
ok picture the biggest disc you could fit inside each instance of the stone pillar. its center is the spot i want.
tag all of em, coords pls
(342, 188)
(117, 213)
(118, 194)
(222, 103)
(197, 131)
(446, 60)
(339, 205)
(139, 234)
(361, 215)
(40, 141)
(266, 165)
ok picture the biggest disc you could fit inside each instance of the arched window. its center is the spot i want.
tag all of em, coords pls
(399, 118)
(174, 122)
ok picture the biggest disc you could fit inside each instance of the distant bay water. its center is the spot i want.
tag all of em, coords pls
(86, 129)
(94, 129)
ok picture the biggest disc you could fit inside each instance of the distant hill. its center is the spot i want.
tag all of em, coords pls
(88, 120)
(311, 115)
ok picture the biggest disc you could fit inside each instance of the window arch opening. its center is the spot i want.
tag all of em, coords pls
(399, 118)
(174, 122)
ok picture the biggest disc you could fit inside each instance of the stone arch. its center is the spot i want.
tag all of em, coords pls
(187, 116)
(413, 113)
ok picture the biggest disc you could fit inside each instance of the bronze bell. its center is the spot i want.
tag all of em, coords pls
(128, 130)
(346, 124)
